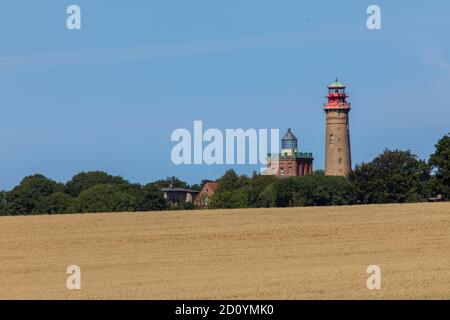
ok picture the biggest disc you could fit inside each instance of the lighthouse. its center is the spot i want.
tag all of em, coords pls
(290, 162)
(338, 160)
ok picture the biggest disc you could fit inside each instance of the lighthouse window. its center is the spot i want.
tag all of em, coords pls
(331, 139)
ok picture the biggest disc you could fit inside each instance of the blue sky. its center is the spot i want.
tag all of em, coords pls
(108, 97)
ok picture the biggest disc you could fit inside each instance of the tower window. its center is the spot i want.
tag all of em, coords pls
(331, 139)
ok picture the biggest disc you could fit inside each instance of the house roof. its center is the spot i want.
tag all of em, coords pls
(211, 185)
(179, 190)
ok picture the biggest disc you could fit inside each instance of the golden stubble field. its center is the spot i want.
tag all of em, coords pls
(295, 253)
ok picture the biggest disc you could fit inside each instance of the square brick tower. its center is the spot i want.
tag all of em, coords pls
(337, 140)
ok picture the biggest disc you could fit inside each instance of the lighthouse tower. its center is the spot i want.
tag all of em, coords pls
(337, 140)
(291, 162)
(289, 144)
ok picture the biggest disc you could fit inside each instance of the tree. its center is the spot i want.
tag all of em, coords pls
(196, 186)
(267, 198)
(199, 186)
(392, 177)
(151, 198)
(226, 196)
(3, 203)
(259, 183)
(56, 203)
(85, 180)
(28, 196)
(230, 181)
(268, 191)
(184, 206)
(104, 198)
(440, 163)
(313, 190)
(242, 197)
(170, 181)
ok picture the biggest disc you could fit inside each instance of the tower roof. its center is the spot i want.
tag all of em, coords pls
(289, 135)
(336, 84)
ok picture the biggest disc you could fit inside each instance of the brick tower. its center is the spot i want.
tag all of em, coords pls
(291, 162)
(338, 160)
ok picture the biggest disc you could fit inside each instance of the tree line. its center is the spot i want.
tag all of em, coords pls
(395, 176)
(86, 192)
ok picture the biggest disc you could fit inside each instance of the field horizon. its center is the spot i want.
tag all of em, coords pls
(273, 253)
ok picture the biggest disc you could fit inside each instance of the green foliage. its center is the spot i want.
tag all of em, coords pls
(392, 177)
(104, 198)
(3, 203)
(228, 195)
(440, 162)
(56, 203)
(85, 180)
(313, 190)
(39, 195)
(184, 206)
(230, 181)
(268, 191)
(29, 195)
(151, 198)
(199, 186)
(267, 198)
(170, 181)
(259, 184)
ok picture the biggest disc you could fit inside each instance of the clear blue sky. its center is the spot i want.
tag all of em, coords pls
(107, 97)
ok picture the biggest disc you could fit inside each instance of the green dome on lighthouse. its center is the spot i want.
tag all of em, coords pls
(336, 84)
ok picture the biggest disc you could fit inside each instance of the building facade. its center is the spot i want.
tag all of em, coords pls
(337, 138)
(203, 199)
(290, 162)
(176, 196)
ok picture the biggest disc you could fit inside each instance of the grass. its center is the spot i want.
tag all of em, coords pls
(293, 253)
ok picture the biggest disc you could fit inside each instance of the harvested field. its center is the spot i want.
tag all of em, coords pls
(293, 253)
